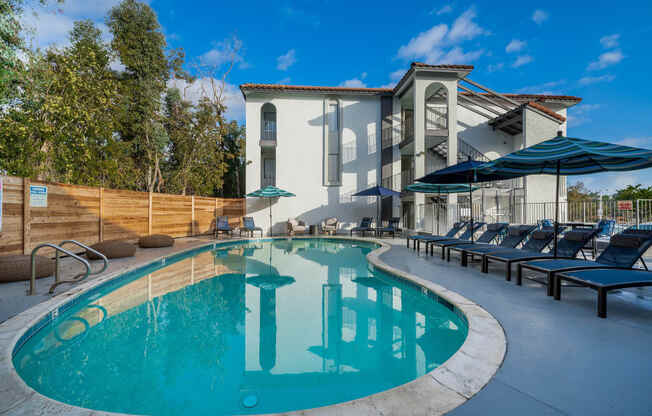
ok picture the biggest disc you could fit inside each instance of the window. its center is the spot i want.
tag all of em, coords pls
(269, 172)
(333, 146)
(268, 122)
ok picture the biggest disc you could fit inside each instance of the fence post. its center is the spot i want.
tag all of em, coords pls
(101, 214)
(27, 216)
(583, 211)
(638, 215)
(192, 226)
(149, 215)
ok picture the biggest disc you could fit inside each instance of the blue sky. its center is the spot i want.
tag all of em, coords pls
(589, 49)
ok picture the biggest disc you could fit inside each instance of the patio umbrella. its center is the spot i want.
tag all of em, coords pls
(270, 192)
(567, 156)
(377, 191)
(429, 188)
(465, 172)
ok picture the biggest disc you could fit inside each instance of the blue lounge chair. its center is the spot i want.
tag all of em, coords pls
(605, 228)
(249, 226)
(464, 238)
(516, 234)
(571, 244)
(623, 251)
(492, 233)
(417, 239)
(364, 227)
(603, 281)
(392, 228)
(223, 227)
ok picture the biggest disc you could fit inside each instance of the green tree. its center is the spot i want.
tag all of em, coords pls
(234, 146)
(579, 192)
(140, 45)
(633, 192)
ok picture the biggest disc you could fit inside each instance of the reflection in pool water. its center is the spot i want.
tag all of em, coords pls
(248, 328)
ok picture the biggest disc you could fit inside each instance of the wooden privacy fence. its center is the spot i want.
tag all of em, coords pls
(90, 214)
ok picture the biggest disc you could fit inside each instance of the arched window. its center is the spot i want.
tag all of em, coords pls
(268, 122)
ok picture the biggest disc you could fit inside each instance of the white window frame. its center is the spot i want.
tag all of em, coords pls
(327, 102)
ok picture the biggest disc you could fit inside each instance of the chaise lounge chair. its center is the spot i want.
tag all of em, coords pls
(568, 247)
(603, 281)
(418, 238)
(392, 228)
(465, 238)
(493, 231)
(515, 236)
(623, 251)
(364, 227)
(222, 226)
(249, 226)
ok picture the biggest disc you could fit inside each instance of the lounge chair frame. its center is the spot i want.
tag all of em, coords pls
(464, 239)
(466, 250)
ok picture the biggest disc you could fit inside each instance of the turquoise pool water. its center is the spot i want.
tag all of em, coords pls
(241, 328)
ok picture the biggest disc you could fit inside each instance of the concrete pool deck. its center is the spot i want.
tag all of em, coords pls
(561, 359)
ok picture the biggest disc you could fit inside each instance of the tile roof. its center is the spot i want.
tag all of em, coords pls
(313, 88)
(545, 110)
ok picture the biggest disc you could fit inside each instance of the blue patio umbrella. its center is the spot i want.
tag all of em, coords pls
(464, 172)
(270, 192)
(567, 156)
(379, 192)
(430, 188)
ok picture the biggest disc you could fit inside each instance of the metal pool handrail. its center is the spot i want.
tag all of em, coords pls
(32, 282)
(76, 278)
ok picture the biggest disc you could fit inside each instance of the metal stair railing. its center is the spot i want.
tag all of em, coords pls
(58, 249)
(57, 282)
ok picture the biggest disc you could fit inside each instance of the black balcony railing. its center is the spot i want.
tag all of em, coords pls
(269, 135)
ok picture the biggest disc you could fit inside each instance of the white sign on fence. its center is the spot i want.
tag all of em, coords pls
(38, 196)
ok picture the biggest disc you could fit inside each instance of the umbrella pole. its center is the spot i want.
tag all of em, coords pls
(271, 234)
(471, 208)
(556, 212)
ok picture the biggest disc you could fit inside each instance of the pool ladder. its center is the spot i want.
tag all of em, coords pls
(59, 249)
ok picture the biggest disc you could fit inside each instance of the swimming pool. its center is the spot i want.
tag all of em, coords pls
(241, 328)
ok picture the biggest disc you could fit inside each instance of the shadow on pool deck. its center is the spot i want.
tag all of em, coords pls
(561, 358)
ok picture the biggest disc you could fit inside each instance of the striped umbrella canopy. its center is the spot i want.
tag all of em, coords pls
(270, 192)
(567, 156)
(379, 192)
(432, 188)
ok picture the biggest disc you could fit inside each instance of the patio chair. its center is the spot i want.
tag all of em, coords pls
(222, 226)
(623, 251)
(492, 232)
(603, 281)
(364, 227)
(568, 247)
(605, 228)
(249, 226)
(418, 238)
(329, 226)
(392, 228)
(465, 238)
(295, 227)
(516, 234)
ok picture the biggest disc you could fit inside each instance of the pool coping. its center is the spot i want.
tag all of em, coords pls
(448, 386)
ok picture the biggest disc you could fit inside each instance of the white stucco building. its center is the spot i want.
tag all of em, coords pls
(326, 143)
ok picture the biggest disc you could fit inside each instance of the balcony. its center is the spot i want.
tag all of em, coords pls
(268, 182)
(268, 139)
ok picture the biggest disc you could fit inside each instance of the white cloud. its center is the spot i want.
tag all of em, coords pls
(224, 52)
(496, 67)
(636, 141)
(284, 81)
(610, 182)
(579, 114)
(522, 60)
(441, 45)
(548, 88)
(515, 45)
(285, 61)
(353, 83)
(594, 80)
(610, 41)
(397, 75)
(232, 96)
(464, 28)
(443, 10)
(606, 59)
(539, 16)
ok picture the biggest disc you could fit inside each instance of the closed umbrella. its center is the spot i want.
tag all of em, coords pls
(270, 192)
(428, 188)
(378, 192)
(464, 172)
(567, 156)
